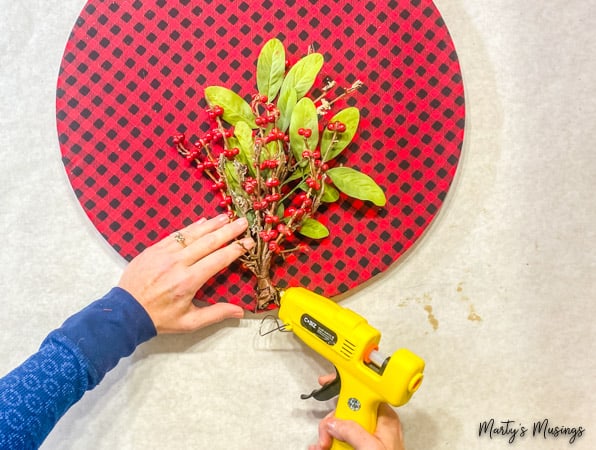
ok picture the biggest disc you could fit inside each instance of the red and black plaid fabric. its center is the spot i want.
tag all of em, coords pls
(133, 74)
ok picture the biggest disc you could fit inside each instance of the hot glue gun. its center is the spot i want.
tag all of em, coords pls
(365, 377)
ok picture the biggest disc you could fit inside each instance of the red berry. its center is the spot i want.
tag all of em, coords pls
(272, 182)
(300, 198)
(217, 134)
(303, 248)
(273, 247)
(340, 127)
(282, 228)
(179, 138)
(316, 154)
(306, 154)
(271, 219)
(307, 203)
(307, 133)
(300, 131)
(259, 205)
(218, 185)
(289, 211)
(331, 126)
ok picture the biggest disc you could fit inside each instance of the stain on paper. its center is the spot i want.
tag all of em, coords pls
(431, 317)
(473, 316)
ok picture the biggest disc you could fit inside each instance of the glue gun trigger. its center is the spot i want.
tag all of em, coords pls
(327, 391)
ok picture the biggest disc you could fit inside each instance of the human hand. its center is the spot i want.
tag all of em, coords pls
(165, 277)
(387, 436)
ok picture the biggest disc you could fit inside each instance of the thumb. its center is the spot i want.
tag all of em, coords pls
(352, 433)
(209, 315)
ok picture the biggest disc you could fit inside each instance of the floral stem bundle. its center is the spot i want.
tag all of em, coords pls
(272, 159)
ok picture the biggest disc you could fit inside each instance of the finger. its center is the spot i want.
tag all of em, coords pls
(213, 240)
(218, 260)
(352, 433)
(389, 426)
(324, 379)
(208, 315)
(194, 231)
(204, 226)
(325, 439)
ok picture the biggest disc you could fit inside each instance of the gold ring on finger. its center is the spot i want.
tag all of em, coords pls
(179, 237)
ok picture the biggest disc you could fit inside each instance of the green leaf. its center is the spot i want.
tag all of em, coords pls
(302, 75)
(313, 229)
(296, 84)
(243, 134)
(330, 194)
(271, 67)
(357, 185)
(299, 172)
(304, 116)
(231, 175)
(286, 103)
(280, 210)
(235, 107)
(350, 117)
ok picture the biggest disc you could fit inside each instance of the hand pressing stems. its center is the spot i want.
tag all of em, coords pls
(387, 436)
(165, 277)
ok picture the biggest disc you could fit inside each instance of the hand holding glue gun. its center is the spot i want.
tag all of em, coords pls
(365, 378)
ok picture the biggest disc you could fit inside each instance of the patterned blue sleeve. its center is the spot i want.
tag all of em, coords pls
(71, 360)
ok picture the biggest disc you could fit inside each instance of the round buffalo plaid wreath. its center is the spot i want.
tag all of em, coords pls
(134, 73)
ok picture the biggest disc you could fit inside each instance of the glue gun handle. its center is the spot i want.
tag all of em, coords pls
(359, 408)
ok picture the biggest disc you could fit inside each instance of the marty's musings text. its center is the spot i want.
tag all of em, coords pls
(512, 430)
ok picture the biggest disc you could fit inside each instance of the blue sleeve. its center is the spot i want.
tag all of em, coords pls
(71, 360)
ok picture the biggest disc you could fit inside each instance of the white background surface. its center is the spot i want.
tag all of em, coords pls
(514, 246)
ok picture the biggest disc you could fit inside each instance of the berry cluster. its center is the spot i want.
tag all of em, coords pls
(269, 159)
(265, 191)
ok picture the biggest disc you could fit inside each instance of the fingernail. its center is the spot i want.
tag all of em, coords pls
(247, 243)
(242, 222)
(223, 218)
(201, 220)
(331, 428)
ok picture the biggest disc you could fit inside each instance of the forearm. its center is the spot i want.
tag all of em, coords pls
(36, 394)
(70, 361)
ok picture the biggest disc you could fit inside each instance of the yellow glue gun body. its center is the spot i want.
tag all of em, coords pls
(351, 344)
